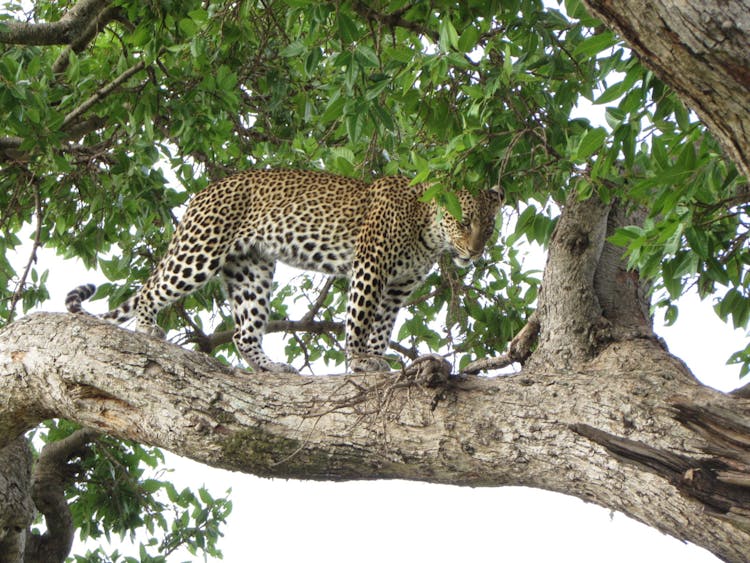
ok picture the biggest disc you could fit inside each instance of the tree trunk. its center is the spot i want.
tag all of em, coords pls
(604, 413)
(16, 507)
(702, 51)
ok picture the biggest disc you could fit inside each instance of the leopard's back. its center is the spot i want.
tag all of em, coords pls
(306, 219)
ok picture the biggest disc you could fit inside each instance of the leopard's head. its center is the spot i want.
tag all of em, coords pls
(469, 235)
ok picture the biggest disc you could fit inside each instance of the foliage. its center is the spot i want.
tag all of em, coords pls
(461, 94)
(100, 148)
(120, 491)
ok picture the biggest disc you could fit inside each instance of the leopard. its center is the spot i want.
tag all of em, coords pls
(384, 235)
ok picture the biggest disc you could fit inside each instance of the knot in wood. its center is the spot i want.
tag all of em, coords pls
(577, 242)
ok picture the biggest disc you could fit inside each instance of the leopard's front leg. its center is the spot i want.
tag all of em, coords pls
(365, 295)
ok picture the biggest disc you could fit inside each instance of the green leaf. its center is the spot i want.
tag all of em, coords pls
(624, 236)
(294, 49)
(595, 44)
(151, 485)
(367, 56)
(347, 28)
(452, 204)
(591, 142)
(334, 110)
(670, 315)
(188, 27)
(468, 40)
(612, 93)
(698, 240)
(376, 89)
(575, 9)
(312, 60)
(448, 35)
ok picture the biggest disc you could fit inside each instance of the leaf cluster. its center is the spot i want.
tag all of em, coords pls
(121, 492)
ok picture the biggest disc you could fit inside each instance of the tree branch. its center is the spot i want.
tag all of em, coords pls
(70, 124)
(395, 19)
(206, 343)
(519, 349)
(700, 50)
(102, 93)
(68, 29)
(320, 300)
(572, 327)
(21, 285)
(465, 431)
(52, 474)
(95, 25)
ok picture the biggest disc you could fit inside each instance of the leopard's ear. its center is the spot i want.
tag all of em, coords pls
(499, 192)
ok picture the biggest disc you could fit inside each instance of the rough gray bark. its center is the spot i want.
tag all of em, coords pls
(72, 27)
(568, 303)
(630, 430)
(17, 509)
(702, 51)
(28, 486)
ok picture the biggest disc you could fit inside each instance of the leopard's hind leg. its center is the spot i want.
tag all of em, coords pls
(248, 279)
(186, 267)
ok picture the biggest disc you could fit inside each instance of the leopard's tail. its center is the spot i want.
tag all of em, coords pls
(75, 298)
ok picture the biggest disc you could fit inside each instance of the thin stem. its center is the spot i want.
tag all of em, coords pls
(19, 291)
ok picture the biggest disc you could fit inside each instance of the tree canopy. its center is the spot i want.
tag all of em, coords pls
(113, 113)
(103, 139)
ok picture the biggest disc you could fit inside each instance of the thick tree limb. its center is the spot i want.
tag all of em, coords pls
(94, 26)
(572, 327)
(16, 508)
(66, 30)
(52, 474)
(398, 425)
(702, 51)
